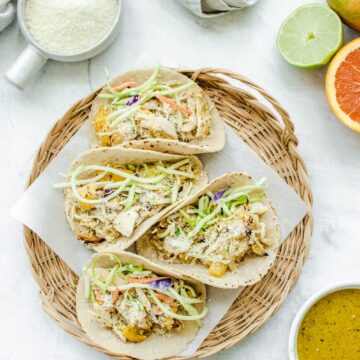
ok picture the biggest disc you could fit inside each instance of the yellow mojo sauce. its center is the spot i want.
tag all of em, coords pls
(331, 328)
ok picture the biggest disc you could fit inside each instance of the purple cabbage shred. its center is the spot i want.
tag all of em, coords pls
(218, 195)
(106, 193)
(133, 100)
(162, 284)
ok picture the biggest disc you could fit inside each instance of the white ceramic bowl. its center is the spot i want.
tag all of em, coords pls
(306, 307)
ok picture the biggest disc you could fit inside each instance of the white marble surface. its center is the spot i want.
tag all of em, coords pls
(243, 42)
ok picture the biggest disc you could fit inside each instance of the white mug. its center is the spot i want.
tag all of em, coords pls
(34, 57)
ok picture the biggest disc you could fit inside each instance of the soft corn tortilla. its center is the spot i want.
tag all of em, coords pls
(119, 155)
(251, 270)
(154, 347)
(214, 142)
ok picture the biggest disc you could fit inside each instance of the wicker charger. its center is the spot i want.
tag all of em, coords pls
(275, 143)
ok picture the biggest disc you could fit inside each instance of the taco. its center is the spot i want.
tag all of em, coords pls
(130, 306)
(113, 195)
(157, 109)
(226, 235)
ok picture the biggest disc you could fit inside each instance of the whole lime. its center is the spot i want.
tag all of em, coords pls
(348, 10)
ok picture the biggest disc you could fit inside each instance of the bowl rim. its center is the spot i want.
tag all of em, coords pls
(306, 307)
(83, 55)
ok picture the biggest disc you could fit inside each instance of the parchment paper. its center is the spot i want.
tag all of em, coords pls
(41, 208)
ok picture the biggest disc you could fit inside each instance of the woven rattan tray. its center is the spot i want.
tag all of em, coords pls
(272, 137)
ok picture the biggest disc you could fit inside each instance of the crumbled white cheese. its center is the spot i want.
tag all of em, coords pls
(133, 314)
(233, 230)
(258, 208)
(108, 303)
(177, 245)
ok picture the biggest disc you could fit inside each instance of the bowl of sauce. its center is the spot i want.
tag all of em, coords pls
(327, 326)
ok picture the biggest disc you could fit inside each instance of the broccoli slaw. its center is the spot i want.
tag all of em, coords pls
(217, 230)
(135, 302)
(106, 202)
(152, 110)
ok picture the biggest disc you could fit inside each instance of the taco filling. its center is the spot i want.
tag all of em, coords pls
(218, 230)
(132, 111)
(106, 202)
(134, 302)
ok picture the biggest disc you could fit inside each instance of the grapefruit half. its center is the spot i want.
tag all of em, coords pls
(343, 85)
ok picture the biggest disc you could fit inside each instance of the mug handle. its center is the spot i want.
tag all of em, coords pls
(30, 61)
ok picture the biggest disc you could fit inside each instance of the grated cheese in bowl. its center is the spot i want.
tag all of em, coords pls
(68, 27)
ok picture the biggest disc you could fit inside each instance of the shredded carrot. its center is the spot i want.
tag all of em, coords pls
(145, 281)
(157, 311)
(173, 104)
(144, 107)
(125, 85)
(165, 299)
(115, 296)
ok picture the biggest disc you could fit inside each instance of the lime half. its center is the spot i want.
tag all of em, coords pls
(310, 36)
